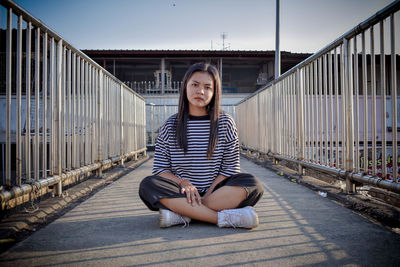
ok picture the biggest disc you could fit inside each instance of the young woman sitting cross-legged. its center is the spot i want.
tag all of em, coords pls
(196, 171)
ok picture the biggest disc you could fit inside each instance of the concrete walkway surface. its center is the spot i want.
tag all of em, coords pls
(297, 227)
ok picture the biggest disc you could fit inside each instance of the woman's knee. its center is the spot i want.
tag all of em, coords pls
(256, 182)
(255, 186)
(147, 183)
(259, 186)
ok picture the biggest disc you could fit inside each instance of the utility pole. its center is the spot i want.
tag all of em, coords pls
(224, 35)
(277, 51)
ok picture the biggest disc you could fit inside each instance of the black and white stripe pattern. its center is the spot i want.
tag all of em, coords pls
(194, 165)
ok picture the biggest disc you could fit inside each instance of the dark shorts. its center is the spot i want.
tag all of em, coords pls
(153, 188)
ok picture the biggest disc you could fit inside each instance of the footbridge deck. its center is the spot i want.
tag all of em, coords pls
(297, 227)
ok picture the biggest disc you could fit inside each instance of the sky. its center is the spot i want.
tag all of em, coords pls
(306, 25)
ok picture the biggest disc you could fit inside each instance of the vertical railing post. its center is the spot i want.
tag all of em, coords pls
(121, 123)
(348, 91)
(258, 147)
(373, 88)
(78, 112)
(383, 95)
(44, 90)
(8, 181)
(91, 122)
(100, 123)
(136, 124)
(69, 114)
(51, 108)
(74, 112)
(277, 124)
(162, 76)
(58, 118)
(365, 102)
(357, 108)
(19, 102)
(300, 120)
(37, 104)
(394, 97)
(332, 110)
(143, 125)
(86, 111)
(152, 123)
(62, 111)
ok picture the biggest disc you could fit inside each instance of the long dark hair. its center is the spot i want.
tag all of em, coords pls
(213, 108)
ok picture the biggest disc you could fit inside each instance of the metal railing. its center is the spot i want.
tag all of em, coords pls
(337, 111)
(65, 115)
(151, 87)
(158, 114)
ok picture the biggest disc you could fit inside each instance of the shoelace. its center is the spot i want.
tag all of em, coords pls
(185, 223)
(228, 218)
(230, 223)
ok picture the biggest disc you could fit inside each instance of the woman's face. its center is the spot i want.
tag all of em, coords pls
(199, 90)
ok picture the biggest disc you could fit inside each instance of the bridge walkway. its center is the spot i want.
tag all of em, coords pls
(297, 227)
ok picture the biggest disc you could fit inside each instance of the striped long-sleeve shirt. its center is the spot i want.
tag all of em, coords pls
(193, 164)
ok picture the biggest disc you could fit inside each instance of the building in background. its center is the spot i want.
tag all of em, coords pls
(157, 74)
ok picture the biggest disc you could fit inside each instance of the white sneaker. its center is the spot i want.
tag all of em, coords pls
(169, 218)
(243, 218)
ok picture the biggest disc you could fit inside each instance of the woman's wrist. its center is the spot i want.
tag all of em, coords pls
(181, 181)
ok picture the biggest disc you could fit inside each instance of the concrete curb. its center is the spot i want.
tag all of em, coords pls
(27, 220)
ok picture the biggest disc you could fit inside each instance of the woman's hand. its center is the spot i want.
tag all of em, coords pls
(192, 195)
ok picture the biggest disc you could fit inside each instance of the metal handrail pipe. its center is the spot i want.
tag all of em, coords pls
(322, 168)
(133, 153)
(374, 181)
(378, 16)
(108, 162)
(38, 23)
(116, 159)
(24, 189)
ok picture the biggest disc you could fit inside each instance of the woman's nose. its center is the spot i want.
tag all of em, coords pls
(200, 90)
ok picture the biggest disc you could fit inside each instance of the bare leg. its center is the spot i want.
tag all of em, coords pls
(227, 197)
(197, 212)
